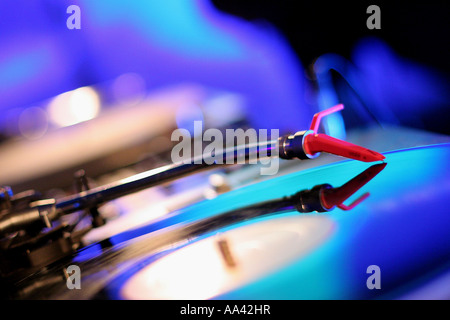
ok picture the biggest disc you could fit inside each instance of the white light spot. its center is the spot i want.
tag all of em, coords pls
(74, 107)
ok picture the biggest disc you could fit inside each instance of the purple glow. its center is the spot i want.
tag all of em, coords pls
(396, 85)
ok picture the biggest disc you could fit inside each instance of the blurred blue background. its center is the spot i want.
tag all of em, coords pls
(288, 61)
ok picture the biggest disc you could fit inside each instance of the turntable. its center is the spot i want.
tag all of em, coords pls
(316, 233)
(122, 175)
